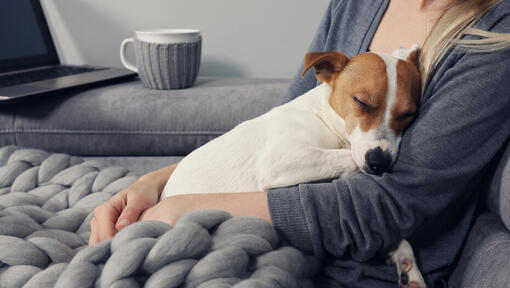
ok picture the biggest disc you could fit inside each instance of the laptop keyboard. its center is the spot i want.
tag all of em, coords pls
(42, 74)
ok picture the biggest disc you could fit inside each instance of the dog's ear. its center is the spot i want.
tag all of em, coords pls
(411, 54)
(325, 64)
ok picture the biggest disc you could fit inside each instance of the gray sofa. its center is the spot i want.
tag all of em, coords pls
(128, 125)
(132, 126)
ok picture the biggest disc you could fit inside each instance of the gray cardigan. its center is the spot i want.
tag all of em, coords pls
(431, 197)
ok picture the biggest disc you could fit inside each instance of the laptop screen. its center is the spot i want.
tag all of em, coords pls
(26, 41)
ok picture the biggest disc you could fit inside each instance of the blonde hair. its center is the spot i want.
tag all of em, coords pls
(456, 21)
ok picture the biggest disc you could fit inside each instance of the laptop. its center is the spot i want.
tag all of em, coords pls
(29, 64)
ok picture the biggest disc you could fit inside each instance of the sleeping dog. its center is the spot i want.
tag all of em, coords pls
(352, 122)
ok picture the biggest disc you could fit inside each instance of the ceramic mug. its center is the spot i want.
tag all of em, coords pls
(165, 58)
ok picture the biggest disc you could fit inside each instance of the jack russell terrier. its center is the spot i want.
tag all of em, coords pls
(352, 121)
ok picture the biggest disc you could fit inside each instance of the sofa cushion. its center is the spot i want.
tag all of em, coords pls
(129, 119)
(139, 165)
(484, 260)
(6, 124)
(498, 193)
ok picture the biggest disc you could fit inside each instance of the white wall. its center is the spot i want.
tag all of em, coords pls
(242, 38)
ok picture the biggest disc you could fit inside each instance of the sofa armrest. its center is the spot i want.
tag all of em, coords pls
(484, 259)
(497, 196)
(128, 119)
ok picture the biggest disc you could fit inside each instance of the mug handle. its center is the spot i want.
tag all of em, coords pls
(123, 59)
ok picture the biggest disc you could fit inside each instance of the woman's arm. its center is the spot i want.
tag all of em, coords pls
(238, 204)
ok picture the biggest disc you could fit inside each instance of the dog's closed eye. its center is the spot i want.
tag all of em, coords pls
(362, 104)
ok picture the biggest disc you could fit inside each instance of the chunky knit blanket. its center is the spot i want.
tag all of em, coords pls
(47, 202)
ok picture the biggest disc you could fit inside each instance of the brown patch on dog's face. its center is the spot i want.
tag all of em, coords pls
(407, 97)
(359, 92)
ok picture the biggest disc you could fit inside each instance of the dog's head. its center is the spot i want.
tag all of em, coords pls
(377, 95)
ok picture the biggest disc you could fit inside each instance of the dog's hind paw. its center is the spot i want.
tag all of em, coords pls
(408, 273)
(410, 276)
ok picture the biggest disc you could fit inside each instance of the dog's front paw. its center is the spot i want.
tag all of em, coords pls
(342, 164)
(349, 168)
(349, 172)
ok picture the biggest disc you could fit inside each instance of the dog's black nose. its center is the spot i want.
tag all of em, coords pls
(377, 161)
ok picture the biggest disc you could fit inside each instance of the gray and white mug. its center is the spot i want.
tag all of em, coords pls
(165, 58)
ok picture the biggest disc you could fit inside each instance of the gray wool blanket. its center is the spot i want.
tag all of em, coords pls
(46, 204)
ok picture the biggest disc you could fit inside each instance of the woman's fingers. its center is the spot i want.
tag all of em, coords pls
(130, 214)
(106, 215)
(93, 232)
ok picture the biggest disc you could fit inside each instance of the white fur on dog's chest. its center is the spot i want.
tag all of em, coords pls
(280, 148)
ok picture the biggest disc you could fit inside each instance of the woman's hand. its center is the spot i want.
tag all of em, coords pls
(126, 206)
(170, 209)
(121, 210)
(167, 210)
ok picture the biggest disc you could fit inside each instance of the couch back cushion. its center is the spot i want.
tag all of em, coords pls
(127, 119)
(498, 194)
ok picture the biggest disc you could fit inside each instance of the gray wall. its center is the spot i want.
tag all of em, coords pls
(242, 38)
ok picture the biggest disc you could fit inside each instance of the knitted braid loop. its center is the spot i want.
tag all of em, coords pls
(47, 202)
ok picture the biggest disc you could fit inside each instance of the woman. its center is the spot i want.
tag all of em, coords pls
(430, 197)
